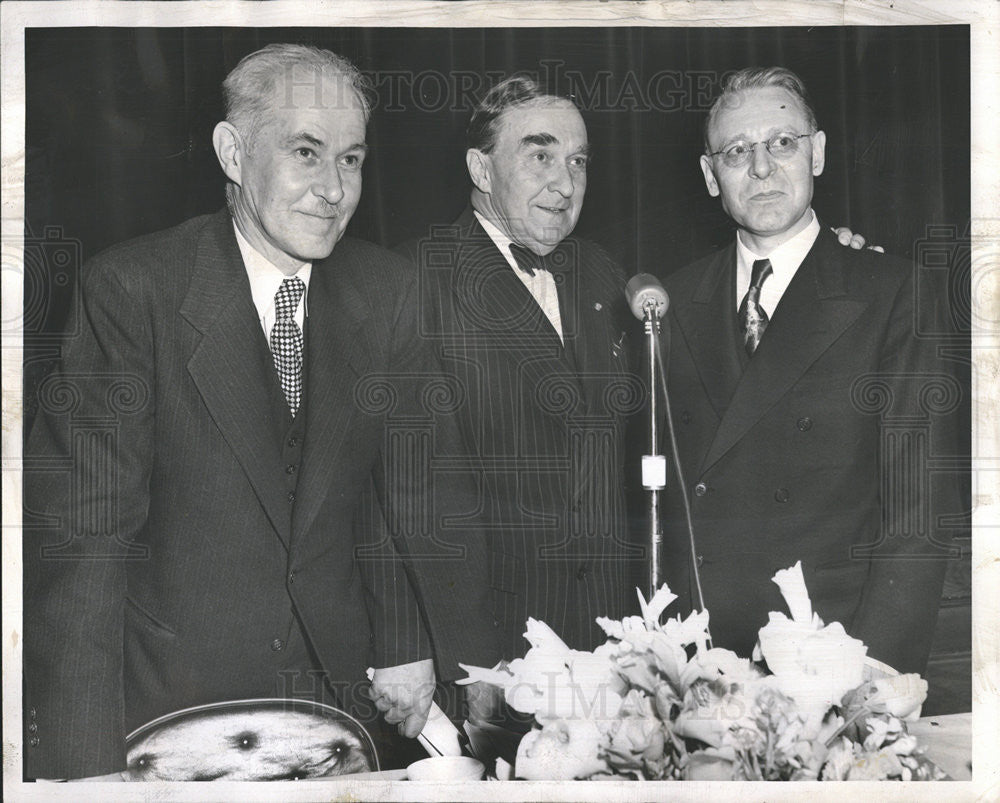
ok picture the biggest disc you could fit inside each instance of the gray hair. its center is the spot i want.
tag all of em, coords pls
(760, 78)
(248, 90)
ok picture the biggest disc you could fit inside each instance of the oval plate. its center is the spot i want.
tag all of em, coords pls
(250, 740)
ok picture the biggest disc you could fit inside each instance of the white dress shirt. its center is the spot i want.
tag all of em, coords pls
(265, 279)
(542, 285)
(785, 261)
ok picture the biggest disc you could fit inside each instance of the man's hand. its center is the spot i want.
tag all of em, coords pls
(846, 237)
(404, 695)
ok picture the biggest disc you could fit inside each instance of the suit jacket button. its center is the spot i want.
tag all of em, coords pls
(582, 572)
(293, 442)
(291, 497)
(277, 645)
(290, 469)
(700, 489)
(33, 728)
(33, 741)
(804, 424)
(32, 713)
(781, 495)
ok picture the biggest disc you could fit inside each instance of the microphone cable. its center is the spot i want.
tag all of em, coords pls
(680, 475)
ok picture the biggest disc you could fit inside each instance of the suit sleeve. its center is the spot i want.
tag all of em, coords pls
(901, 596)
(400, 635)
(432, 588)
(86, 471)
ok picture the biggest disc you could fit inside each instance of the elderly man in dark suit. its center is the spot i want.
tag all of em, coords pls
(806, 404)
(192, 479)
(530, 319)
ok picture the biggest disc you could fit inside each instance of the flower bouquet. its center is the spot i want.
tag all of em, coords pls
(656, 702)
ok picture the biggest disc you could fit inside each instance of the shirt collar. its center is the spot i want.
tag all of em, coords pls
(265, 278)
(786, 258)
(785, 261)
(500, 240)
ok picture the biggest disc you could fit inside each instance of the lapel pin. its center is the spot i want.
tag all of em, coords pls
(597, 306)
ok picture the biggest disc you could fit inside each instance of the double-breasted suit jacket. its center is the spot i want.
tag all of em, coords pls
(820, 448)
(543, 422)
(168, 560)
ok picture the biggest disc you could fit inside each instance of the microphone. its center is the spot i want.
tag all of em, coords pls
(643, 291)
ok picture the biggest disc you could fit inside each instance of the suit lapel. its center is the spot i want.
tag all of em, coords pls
(337, 356)
(812, 314)
(497, 308)
(230, 365)
(705, 327)
(594, 330)
(590, 342)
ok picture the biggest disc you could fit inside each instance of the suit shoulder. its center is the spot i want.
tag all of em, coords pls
(147, 259)
(371, 265)
(865, 270)
(687, 277)
(408, 250)
(598, 260)
(366, 253)
(157, 245)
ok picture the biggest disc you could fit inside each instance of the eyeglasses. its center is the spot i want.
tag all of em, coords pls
(780, 146)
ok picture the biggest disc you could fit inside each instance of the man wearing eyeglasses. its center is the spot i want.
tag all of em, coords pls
(805, 404)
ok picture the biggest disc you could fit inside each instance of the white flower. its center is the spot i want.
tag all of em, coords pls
(554, 682)
(812, 664)
(904, 745)
(902, 695)
(813, 667)
(561, 750)
(542, 637)
(652, 610)
(793, 588)
(718, 663)
(693, 630)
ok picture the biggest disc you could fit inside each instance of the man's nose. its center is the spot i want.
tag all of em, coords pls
(762, 164)
(329, 186)
(561, 181)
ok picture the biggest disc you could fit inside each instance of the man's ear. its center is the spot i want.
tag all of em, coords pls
(710, 182)
(819, 152)
(229, 150)
(479, 165)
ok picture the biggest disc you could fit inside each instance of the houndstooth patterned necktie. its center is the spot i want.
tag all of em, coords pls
(753, 319)
(286, 340)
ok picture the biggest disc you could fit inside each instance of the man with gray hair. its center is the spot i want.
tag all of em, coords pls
(806, 403)
(192, 478)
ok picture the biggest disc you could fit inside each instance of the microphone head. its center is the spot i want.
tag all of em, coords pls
(643, 292)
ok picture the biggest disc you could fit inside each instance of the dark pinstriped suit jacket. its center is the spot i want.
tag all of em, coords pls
(543, 425)
(821, 450)
(165, 565)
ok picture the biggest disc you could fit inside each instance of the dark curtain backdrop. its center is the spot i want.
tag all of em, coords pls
(119, 122)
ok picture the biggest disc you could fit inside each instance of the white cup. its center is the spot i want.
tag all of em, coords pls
(446, 768)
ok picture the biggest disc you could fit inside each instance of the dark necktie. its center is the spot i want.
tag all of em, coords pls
(753, 319)
(286, 340)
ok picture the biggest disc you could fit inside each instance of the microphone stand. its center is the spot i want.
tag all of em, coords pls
(654, 464)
